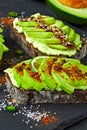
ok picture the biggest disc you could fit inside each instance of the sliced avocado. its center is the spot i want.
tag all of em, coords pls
(73, 15)
(48, 41)
(25, 77)
(58, 24)
(1, 50)
(45, 71)
(53, 74)
(77, 40)
(66, 29)
(1, 30)
(40, 34)
(1, 36)
(33, 29)
(70, 72)
(27, 24)
(49, 20)
(71, 35)
(33, 83)
(77, 73)
(17, 72)
(63, 84)
(58, 47)
(17, 77)
(54, 38)
(5, 48)
(1, 40)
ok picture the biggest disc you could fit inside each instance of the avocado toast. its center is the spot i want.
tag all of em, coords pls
(45, 35)
(47, 79)
(3, 47)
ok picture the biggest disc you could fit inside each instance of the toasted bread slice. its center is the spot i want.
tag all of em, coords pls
(34, 97)
(65, 72)
(45, 35)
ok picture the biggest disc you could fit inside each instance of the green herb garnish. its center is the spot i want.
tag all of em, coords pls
(11, 108)
(13, 14)
(19, 52)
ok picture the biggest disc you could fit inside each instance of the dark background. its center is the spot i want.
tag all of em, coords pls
(68, 112)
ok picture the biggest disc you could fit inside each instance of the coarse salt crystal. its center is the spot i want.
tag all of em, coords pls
(29, 113)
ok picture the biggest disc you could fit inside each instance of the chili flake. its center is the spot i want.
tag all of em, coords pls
(48, 119)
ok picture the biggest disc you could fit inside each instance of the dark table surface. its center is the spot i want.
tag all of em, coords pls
(7, 121)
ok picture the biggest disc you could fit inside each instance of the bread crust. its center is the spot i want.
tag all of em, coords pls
(34, 97)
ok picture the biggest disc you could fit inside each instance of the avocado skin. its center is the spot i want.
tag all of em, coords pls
(66, 15)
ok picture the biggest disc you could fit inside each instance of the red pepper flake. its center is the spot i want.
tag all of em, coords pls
(6, 21)
(48, 119)
(2, 80)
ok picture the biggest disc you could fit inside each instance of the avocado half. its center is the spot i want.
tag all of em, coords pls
(76, 16)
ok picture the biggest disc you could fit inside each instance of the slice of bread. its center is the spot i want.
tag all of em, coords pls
(70, 81)
(34, 97)
(61, 39)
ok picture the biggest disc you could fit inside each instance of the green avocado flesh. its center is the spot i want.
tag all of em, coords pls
(73, 15)
(3, 47)
(26, 78)
(49, 35)
(53, 73)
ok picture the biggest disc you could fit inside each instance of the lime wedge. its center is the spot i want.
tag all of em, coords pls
(35, 63)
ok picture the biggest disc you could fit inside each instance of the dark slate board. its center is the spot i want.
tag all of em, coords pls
(69, 114)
